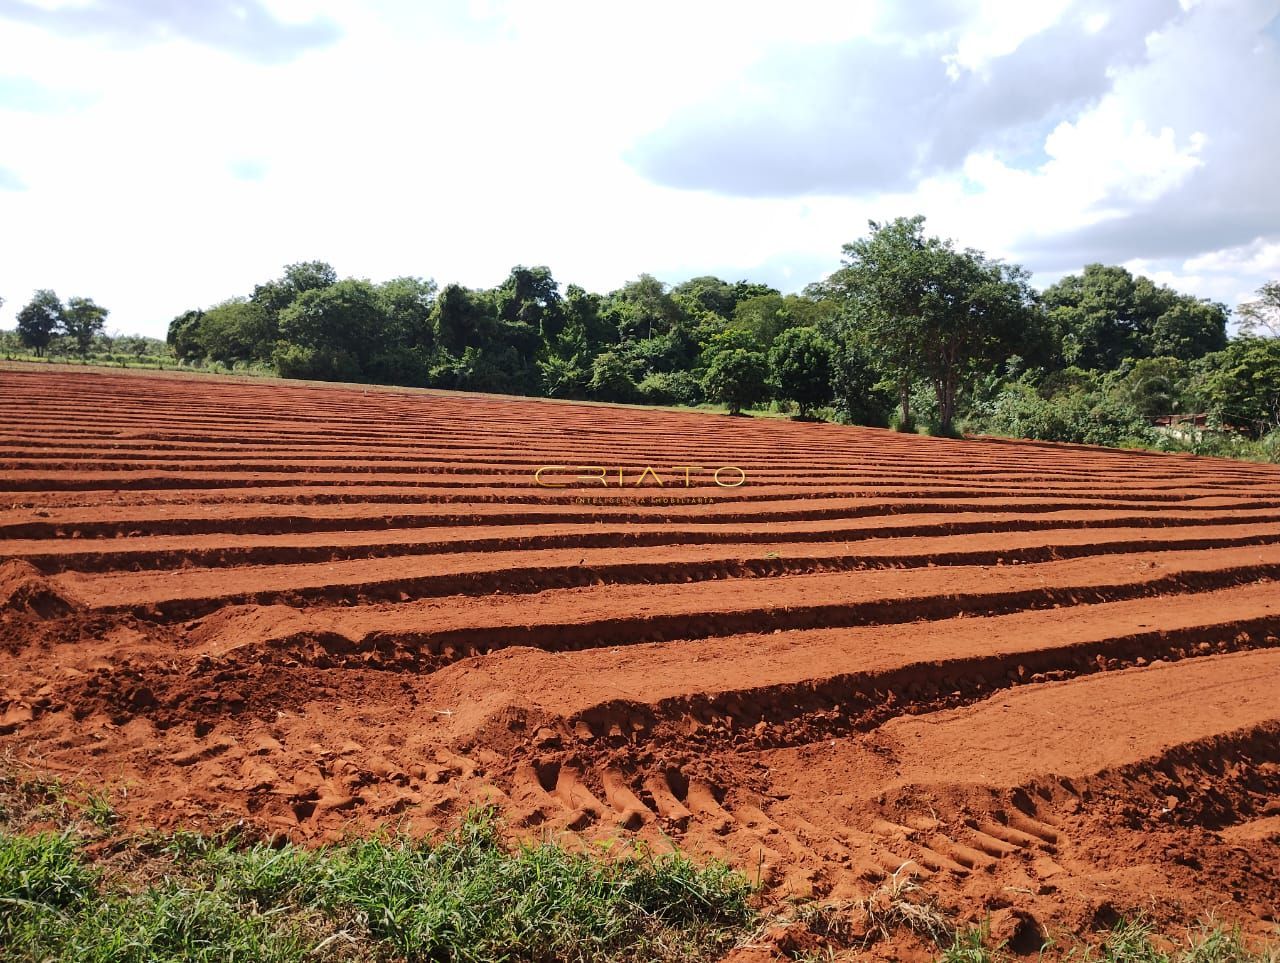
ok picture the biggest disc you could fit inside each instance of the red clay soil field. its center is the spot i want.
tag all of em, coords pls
(1041, 680)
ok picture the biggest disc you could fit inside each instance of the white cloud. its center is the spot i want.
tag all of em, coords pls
(457, 140)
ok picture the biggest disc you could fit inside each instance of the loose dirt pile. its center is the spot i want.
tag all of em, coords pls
(1041, 680)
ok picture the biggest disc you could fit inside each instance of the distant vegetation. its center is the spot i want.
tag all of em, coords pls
(911, 331)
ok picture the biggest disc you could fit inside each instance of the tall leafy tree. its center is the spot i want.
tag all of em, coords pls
(800, 364)
(931, 312)
(767, 315)
(1241, 384)
(406, 304)
(184, 335)
(1105, 315)
(40, 320)
(642, 308)
(736, 377)
(301, 276)
(1189, 329)
(84, 320)
(238, 329)
(1097, 316)
(298, 278)
(584, 322)
(981, 314)
(707, 293)
(883, 285)
(531, 296)
(333, 330)
(463, 318)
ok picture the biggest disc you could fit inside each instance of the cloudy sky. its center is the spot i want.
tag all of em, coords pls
(158, 155)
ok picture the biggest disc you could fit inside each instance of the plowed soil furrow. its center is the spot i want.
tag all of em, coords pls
(1080, 534)
(196, 590)
(1037, 679)
(1002, 741)
(267, 519)
(432, 630)
(889, 670)
(112, 460)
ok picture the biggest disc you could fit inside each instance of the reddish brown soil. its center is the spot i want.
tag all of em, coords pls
(1042, 679)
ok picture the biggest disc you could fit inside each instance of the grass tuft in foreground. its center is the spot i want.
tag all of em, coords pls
(465, 897)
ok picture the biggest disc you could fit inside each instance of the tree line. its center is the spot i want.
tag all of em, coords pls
(911, 330)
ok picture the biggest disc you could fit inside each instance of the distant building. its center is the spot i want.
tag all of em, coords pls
(1181, 421)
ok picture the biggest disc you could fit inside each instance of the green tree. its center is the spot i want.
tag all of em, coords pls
(84, 320)
(1190, 329)
(403, 353)
(41, 320)
(463, 318)
(333, 330)
(531, 296)
(726, 339)
(184, 336)
(641, 308)
(767, 315)
(861, 394)
(238, 329)
(706, 293)
(982, 314)
(764, 317)
(736, 377)
(612, 377)
(881, 286)
(584, 323)
(1156, 386)
(563, 377)
(1105, 314)
(800, 364)
(277, 295)
(1096, 315)
(931, 312)
(406, 306)
(1241, 384)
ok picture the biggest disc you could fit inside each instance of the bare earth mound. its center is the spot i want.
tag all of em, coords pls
(1043, 680)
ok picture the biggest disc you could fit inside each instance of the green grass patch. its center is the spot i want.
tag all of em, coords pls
(464, 897)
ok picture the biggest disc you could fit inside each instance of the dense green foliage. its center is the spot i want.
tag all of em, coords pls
(1105, 315)
(40, 320)
(735, 377)
(802, 362)
(911, 330)
(933, 313)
